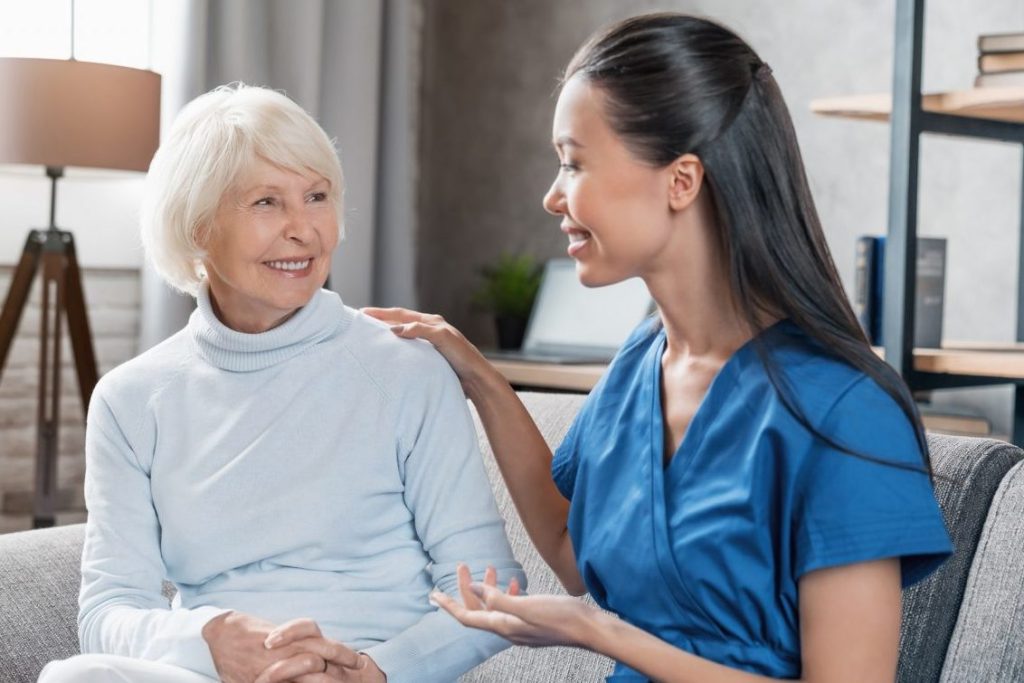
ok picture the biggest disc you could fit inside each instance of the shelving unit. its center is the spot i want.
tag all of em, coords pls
(985, 113)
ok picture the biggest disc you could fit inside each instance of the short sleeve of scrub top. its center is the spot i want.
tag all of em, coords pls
(563, 464)
(853, 510)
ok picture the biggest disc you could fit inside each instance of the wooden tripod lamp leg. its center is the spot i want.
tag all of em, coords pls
(17, 294)
(62, 294)
(48, 416)
(78, 325)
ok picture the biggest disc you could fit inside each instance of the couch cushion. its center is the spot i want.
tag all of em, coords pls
(968, 473)
(988, 642)
(38, 600)
(553, 414)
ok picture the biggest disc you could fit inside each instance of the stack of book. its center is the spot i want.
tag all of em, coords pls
(869, 289)
(1000, 60)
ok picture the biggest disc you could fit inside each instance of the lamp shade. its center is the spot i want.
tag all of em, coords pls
(57, 112)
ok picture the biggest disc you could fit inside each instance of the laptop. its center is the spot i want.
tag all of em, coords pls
(571, 323)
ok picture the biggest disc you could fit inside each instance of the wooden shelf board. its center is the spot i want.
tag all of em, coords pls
(961, 345)
(998, 360)
(1002, 104)
(981, 363)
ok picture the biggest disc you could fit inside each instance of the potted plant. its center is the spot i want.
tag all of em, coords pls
(508, 289)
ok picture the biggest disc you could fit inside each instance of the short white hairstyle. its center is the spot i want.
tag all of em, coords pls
(214, 139)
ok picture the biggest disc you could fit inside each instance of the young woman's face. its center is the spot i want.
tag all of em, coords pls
(270, 247)
(614, 208)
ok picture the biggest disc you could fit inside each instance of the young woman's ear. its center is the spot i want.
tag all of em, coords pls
(687, 175)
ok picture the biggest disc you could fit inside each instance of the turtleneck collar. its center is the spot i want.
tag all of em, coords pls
(322, 318)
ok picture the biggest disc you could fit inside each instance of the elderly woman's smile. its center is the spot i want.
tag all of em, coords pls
(291, 268)
(269, 248)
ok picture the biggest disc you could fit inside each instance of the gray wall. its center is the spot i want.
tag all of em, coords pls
(487, 95)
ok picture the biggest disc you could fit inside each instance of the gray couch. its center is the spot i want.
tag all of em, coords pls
(965, 623)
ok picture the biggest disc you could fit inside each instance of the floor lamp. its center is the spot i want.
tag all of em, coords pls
(57, 113)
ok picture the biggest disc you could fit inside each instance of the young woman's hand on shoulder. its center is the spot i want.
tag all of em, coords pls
(466, 360)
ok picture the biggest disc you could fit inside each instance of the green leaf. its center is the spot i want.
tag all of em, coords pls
(509, 285)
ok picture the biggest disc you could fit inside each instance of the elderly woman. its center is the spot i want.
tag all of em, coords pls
(301, 476)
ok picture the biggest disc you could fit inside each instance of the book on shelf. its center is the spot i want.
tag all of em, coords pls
(868, 286)
(1000, 62)
(949, 420)
(869, 289)
(1007, 79)
(993, 43)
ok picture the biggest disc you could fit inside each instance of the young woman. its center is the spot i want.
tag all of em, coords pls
(748, 485)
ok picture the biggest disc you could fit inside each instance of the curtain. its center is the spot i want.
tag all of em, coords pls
(348, 63)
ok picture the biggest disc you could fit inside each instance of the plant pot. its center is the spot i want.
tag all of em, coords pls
(511, 329)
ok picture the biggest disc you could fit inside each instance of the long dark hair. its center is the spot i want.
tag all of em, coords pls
(677, 84)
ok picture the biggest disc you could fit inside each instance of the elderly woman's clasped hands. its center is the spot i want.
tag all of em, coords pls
(247, 649)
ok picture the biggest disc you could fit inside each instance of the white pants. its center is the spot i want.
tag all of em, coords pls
(116, 669)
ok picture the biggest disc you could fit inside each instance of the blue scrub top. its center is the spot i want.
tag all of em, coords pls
(706, 553)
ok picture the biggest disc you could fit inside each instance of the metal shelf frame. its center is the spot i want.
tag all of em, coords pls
(968, 126)
(908, 121)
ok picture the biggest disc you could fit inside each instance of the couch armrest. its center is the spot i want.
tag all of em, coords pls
(39, 580)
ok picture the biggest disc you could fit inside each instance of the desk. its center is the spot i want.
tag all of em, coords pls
(582, 378)
(553, 376)
(986, 360)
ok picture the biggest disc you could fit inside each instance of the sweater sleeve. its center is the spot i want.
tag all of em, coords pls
(121, 608)
(456, 519)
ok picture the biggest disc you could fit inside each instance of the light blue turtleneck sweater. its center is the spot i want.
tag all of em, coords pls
(322, 469)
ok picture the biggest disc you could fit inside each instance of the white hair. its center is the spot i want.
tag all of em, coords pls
(213, 139)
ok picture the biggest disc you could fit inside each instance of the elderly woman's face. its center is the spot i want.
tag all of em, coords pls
(270, 247)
